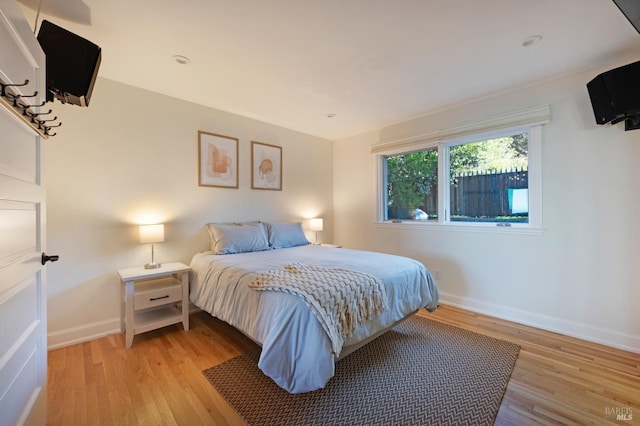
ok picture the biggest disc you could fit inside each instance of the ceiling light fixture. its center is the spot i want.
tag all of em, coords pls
(182, 60)
(531, 40)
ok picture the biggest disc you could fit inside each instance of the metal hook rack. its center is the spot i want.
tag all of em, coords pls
(27, 112)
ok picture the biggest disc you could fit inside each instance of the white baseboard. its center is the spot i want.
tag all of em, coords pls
(82, 333)
(86, 332)
(570, 328)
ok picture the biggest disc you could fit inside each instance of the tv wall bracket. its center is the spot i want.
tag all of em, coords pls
(631, 121)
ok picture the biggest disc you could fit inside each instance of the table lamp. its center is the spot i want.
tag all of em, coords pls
(151, 234)
(316, 225)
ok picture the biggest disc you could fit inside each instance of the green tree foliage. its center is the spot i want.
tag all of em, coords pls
(489, 156)
(409, 179)
(464, 158)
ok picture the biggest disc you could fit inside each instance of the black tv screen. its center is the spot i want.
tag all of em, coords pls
(72, 64)
(630, 9)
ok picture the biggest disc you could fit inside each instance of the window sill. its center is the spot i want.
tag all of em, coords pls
(462, 227)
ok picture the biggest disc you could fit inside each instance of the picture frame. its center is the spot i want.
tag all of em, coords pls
(217, 160)
(266, 166)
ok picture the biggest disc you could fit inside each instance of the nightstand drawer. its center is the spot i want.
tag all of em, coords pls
(149, 294)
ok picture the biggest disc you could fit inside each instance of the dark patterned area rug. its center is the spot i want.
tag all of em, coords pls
(422, 372)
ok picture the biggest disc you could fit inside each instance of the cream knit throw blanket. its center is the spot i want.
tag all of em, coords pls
(341, 299)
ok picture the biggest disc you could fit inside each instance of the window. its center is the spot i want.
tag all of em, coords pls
(488, 179)
(412, 185)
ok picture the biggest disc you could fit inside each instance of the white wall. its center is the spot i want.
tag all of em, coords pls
(133, 153)
(581, 277)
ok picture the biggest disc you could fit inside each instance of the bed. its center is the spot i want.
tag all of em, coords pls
(298, 352)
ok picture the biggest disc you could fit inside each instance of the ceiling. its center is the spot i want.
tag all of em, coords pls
(371, 63)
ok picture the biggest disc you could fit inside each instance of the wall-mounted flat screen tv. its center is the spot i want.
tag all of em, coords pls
(72, 64)
(630, 9)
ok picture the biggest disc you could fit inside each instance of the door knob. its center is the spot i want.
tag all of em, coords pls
(46, 258)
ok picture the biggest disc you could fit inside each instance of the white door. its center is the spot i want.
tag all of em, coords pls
(23, 312)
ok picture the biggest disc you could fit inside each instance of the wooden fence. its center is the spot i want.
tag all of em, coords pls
(485, 195)
(480, 195)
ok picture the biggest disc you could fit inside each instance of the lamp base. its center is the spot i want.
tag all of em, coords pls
(152, 265)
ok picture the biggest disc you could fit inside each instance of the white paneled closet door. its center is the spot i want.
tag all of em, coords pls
(23, 309)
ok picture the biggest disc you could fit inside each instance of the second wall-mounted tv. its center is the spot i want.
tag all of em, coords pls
(630, 9)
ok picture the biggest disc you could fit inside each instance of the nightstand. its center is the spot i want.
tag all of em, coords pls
(150, 298)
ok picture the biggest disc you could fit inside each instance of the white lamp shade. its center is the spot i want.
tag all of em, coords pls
(316, 224)
(151, 233)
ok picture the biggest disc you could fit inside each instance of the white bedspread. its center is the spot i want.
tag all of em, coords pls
(296, 351)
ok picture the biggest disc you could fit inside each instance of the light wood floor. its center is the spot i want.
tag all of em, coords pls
(159, 381)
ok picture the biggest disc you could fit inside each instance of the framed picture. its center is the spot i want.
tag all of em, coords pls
(217, 160)
(266, 166)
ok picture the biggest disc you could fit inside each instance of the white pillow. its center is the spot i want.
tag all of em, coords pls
(229, 238)
(286, 234)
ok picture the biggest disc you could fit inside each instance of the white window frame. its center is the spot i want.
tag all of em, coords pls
(534, 225)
